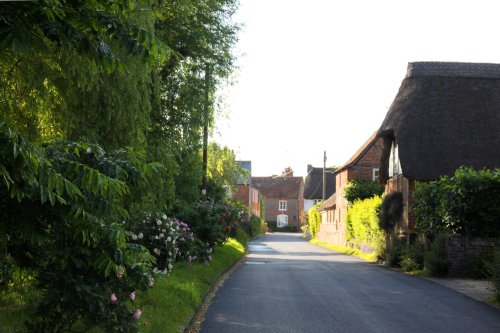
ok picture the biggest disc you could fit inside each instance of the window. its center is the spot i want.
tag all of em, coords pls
(316, 201)
(282, 205)
(394, 164)
(282, 221)
(375, 175)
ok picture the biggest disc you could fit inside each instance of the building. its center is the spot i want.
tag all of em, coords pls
(282, 198)
(364, 164)
(445, 115)
(313, 186)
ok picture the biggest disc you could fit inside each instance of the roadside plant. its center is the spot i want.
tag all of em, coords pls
(359, 189)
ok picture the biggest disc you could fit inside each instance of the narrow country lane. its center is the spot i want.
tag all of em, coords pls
(289, 285)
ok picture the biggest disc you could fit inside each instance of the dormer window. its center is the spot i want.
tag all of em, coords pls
(394, 163)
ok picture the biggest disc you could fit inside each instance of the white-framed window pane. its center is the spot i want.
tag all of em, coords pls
(281, 221)
(375, 175)
(282, 205)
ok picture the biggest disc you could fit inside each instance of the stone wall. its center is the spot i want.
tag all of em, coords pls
(463, 251)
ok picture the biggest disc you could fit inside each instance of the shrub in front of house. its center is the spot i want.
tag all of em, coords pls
(314, 220)
(435, 258)
(465, 204)
(362, 226)
(412, 257)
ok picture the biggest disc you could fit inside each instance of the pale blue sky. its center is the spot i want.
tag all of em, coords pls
(320, 75)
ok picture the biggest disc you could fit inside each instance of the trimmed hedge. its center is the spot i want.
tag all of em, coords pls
(465, 204)
(362, 224)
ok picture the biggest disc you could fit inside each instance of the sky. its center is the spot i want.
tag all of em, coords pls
(320, 75)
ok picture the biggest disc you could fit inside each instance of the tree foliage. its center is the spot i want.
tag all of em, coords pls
(359, 189)
(101, 113)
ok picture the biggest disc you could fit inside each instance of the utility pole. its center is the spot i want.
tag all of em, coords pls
(205, 131)
(324, 175)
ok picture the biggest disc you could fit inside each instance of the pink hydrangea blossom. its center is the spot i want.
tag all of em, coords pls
(137, 313)
(113, 298)
(132, 295)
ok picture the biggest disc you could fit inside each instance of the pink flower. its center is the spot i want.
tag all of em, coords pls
(113, 298)
(132, 295)
(137, 313)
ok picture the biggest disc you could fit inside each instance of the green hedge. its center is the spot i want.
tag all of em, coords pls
(465, 204)
(314, 218)
(362, 226)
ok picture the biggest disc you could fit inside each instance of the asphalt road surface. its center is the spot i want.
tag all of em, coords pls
(286, 284)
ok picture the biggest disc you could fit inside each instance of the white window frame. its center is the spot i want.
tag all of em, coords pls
(316, 201)
(282, 205)
(375, 170)
(281, 220)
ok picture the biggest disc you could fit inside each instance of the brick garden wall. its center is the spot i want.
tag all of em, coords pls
(462, 251)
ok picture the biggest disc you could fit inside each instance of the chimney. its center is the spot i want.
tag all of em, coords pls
(309, 168)
(288, 172)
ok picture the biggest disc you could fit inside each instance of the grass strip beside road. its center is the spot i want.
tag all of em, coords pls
(371, 257)
(173, 300)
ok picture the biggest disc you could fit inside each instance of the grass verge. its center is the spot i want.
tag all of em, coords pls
(371, 257)
(173, 300)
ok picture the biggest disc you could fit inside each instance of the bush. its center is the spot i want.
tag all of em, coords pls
(214, 222)
(391, 211)
(256, 225)
(465, 204)
(359, 189)
(314, 219)
(494, 272)
(394, 252)
(412, 257)
(272, 225)
(435, 258)
(362, 226)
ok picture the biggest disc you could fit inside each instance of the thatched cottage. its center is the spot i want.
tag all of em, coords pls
(445, 115)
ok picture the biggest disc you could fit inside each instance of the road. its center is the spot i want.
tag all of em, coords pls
(286, 284)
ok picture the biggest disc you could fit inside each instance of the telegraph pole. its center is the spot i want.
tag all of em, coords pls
(324, 175)
(205, 132)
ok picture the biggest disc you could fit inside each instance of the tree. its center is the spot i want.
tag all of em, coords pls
(359, 189)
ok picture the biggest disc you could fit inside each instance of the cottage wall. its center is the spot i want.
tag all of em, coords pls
(293, 209)
(361, 169)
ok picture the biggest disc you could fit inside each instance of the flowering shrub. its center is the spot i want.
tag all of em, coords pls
(215, 222)
(169, 240)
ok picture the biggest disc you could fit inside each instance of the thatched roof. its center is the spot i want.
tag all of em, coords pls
(313, 185)
(328, 203)
(445, 115)
(278, 187)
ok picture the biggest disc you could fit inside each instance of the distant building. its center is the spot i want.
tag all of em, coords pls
(313, 186)
(282, 197)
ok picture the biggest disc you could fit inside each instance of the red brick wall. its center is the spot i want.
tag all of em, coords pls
(242, 194)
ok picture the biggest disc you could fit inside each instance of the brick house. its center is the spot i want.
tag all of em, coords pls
(445, 115)
(364, 164)
(282, 198)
